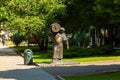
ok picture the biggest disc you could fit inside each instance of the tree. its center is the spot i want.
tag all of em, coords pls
(3, 11)
(79, 16)
(107, 13)
(34, 17)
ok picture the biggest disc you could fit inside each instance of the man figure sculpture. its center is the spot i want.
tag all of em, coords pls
(59, 39)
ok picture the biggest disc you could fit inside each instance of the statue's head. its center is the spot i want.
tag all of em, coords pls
(62, 30)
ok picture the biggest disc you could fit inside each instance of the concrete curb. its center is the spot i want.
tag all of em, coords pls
(19, 53)
(59, 78)
(35, 64)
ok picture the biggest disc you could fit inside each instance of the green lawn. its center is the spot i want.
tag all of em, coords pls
(103, 76)
(94, 58)
(39, 56)
(82, 59)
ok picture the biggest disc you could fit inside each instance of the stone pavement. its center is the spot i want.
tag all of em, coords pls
(12, 68)
(83, 68)
(73, 69)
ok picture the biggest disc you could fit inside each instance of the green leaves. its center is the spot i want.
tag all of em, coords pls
(3, 14)
(109, 7)
(34, 13)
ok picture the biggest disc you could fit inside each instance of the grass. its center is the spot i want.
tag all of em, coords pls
(46, 56)
(102, 76)
(94, 58)
(42, 60)
(41, 57)
(38, 56)
(86, 59)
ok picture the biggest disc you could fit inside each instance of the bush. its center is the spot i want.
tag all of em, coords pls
(117, 52)
(74, 51)
(106, 49)
(17, 38)
(77, 51)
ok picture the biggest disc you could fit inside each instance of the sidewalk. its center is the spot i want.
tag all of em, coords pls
(83, 68)
(12, 68)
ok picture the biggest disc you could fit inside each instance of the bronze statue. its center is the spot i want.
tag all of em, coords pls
(59, 39)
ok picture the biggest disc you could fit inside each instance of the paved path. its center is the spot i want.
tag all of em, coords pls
(83, 68)
(12, 68)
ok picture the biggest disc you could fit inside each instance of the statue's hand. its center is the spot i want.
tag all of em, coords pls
(67, 47)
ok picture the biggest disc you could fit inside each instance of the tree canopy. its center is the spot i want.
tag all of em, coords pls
(33, 14)
(34, 17)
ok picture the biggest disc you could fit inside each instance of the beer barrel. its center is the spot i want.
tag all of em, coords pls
(55, 27)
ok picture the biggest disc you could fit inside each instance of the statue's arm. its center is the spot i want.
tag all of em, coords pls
(67, 44)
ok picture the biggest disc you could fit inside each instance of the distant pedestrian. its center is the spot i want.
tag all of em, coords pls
(2, 37)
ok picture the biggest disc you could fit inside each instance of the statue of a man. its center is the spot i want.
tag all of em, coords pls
(59, 39)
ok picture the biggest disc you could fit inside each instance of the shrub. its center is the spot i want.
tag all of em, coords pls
(117, 52)
(17, 38)
(107, 49)
(77, 51)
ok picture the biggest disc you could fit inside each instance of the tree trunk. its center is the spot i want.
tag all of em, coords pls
(43, 44)
(93, 36)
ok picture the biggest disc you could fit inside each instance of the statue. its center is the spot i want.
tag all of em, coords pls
(59, 39)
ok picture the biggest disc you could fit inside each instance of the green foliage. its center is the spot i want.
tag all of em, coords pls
(108, 10)
(3, 14)
(92, 51)
(81, 38)
(79, 15)
(35, 12)
(116, 1)
(17, 38)
(108, 49)
(117, 52)
(46, 56)
(34, 17)
(21, 48)
(36, 52)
